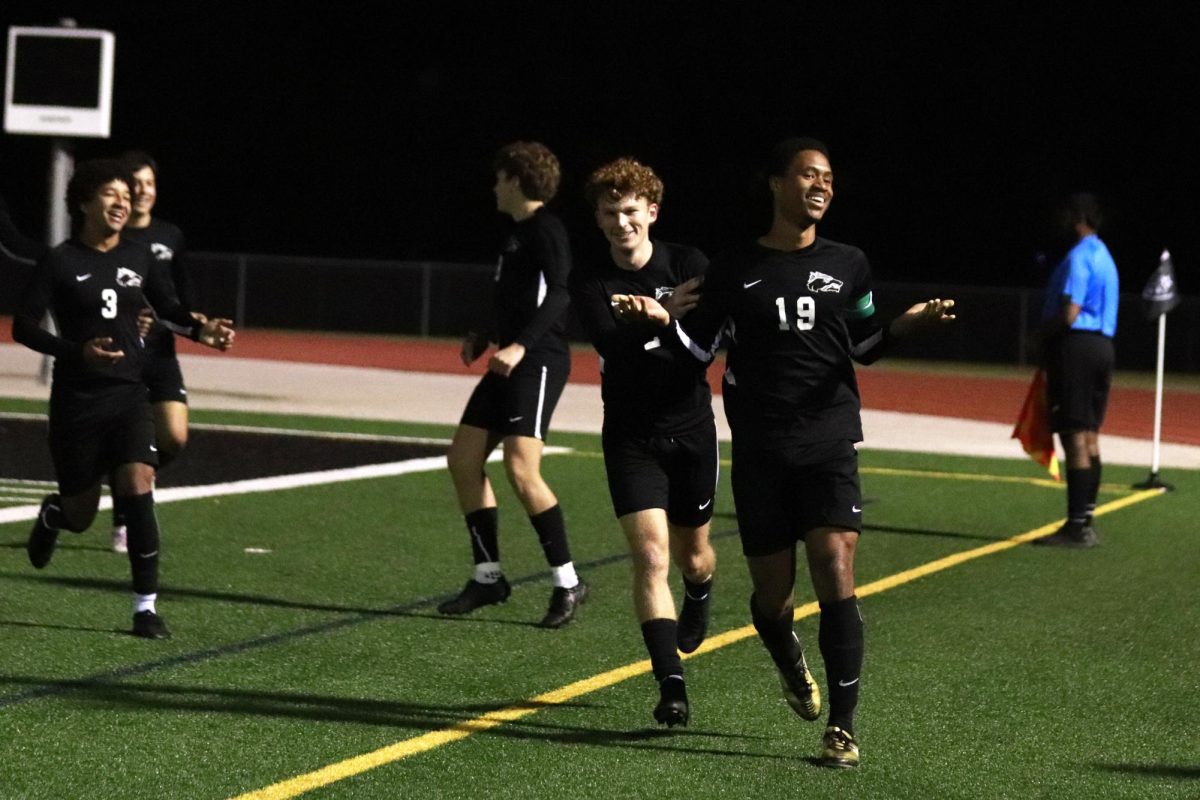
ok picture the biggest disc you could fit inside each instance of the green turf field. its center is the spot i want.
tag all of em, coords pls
(1020, 673)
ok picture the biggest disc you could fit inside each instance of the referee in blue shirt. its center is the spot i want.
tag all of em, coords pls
(1079, 320)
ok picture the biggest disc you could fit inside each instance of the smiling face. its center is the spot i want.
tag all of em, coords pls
(804, 192)
(106, 213)
(626, 222)
(145, 192)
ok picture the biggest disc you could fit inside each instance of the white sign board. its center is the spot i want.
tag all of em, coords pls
(58, 81)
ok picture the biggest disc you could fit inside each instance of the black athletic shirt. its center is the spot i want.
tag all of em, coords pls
(531, 284)
(165, 241)
(93, 294)
(794, 321)
(649, 387)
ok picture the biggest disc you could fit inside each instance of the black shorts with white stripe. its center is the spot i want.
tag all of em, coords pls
(523, 403)
(677, 473)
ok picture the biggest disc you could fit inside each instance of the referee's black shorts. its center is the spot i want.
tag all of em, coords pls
(523, 403)
(94, 430)
(1079, 371)
(780, 495)
(675, 473)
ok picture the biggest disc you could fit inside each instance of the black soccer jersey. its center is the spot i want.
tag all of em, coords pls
(649, 387)
(794, 321)
(531, 284)
(165, 241)
(96, 294)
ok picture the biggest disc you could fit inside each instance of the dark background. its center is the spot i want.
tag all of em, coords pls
(365, 129)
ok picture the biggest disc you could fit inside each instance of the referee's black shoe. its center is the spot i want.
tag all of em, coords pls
(43, 538)
(1071, 534)
(672, 708)
(477, 595)
(564, 605)
(693, 622)
(149, 625)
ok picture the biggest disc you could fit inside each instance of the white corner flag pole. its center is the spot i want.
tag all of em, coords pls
(1158, 394)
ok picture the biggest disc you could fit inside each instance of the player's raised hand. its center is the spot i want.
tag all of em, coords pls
(217, 333)
(506, 359)
(97, 353)
(632, 308)
(923, 315)
(684, 298)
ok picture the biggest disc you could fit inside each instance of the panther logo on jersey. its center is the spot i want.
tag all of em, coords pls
(663, 292)
(820, 282)
(128, 278)
(162, 252)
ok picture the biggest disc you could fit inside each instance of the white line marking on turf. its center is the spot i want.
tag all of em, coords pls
(278, 482)
(356, 765)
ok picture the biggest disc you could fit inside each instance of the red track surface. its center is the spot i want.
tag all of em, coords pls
(1131, 411)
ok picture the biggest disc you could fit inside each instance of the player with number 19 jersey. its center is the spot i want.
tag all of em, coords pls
(792, 320)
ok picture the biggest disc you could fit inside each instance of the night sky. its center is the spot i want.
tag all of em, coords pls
(366, 129)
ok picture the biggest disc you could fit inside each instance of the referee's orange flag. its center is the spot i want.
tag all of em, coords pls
(1033, 426)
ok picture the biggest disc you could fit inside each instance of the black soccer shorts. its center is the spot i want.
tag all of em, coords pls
(1078, 379)
(523, 403)
(94, 430)
(781, 495)
(675, 473)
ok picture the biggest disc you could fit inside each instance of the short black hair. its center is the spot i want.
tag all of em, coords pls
(137, 159)
(784, 152)
(1082, 207)
(87, 179)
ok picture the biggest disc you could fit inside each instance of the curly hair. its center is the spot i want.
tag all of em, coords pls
(533, 165)
(87, 179)
(621, 178)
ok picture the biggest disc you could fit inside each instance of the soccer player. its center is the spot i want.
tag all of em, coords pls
(659, 438)
(163, 377)
(513, 403)
(1079, 322)
(799, 309)
(95, 284)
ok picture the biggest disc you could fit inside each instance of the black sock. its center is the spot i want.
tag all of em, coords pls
(485, 540)
(138, 511)
(1079, 490)
(1094, 486)
(52, 515)
(552, 533)
(697, 591)
(659, 635)
(777, 636)
(841, 641)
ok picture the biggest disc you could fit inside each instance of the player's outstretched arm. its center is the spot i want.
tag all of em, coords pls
(216, 333)
(473, 346)
(633, 308)
(922, 315)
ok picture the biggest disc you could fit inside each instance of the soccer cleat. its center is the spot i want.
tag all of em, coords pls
(672, 708)
(838, 749)
(693, 622)
(564, 605)
(1071, 534)
(120, 536)
(43, 538)
(149, 625)
(477, 595)
(800, 690)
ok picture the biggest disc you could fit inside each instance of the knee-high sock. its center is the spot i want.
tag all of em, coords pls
(485, 537)
(552, 533)
(841, 642)
(1094, 487)
(142, 524)
(777, 636)
(659, 636)
(1079, 492)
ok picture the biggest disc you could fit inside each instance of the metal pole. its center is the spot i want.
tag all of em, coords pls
(1158, 393)
(240, 309)
(426, 290)
(58, 221)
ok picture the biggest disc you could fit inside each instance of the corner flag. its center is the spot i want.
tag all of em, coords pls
(1160, 294)
(1033, 426)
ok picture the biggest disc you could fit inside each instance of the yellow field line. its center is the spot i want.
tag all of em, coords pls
(350, 767)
